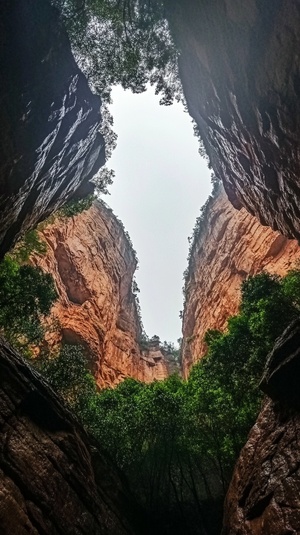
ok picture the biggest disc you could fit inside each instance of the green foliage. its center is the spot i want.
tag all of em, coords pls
(291, 287)
(26, 294)
(199, 228)
(123, 42)
(30, 243)
(75, 207)
(69, 375)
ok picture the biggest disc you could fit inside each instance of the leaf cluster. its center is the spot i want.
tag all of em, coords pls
(26, 295)
(123, 42)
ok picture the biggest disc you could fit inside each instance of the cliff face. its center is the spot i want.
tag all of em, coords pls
(239, 66)
(53, 478)
(232, 245)
(49, 143)
(263, 496)
(93, 264)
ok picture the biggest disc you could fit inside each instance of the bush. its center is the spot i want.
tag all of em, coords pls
(77, 206)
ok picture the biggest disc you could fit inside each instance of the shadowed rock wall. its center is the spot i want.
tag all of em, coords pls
(231, 245)
(263, 497)
(93, 264)
(50, 145)
(239, 66)
(53, 479)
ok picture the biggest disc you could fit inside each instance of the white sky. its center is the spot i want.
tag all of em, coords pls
(161, 182)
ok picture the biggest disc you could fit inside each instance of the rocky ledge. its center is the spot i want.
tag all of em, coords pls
(50, 145)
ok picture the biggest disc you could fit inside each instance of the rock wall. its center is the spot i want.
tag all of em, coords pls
(239, 66)
(53, 478)
(50, 145)
(231, 245)
(263, 497)
(93, 264)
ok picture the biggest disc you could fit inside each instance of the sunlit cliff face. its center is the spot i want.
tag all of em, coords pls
(93, 264)
(231, 246)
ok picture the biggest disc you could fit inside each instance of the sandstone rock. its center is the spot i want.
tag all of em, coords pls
(53, 479)
(263, 497)
(50, 145)
(239, 66)
(232, 245)
(93, 264)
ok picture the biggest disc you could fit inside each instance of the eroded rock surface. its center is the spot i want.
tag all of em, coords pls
(53, 479)
(239, 66)
(232, 245)
(50, 145)
(264, 494)
(93, 264)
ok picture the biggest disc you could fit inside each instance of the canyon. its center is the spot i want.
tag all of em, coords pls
(240, 72)
(230, 246)
(93, 262)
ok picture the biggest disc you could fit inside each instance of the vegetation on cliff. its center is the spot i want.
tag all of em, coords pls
(26, 295)
(199, 229)
(177, 441)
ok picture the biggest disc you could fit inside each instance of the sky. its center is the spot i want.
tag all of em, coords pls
(160, 185)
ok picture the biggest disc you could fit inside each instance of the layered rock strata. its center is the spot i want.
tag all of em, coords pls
(50, 145)
(230, 246)
(53, 478)
(239, 66)
(263, 497)
(93, 263)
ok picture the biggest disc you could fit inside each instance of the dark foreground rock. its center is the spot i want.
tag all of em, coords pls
(264, 494)
(239, 66)
(53, 480)
(50, 145)
(281, 376)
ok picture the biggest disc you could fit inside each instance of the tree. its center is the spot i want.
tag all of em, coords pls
(69, 375)
(123, 42)
(26, 294)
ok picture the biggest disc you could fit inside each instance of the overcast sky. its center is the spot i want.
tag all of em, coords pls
(160, 185)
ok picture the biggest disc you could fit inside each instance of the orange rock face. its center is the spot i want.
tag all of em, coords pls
(232, 245)
(93, 264)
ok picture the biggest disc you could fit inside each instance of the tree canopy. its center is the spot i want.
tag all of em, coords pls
(123, 42)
